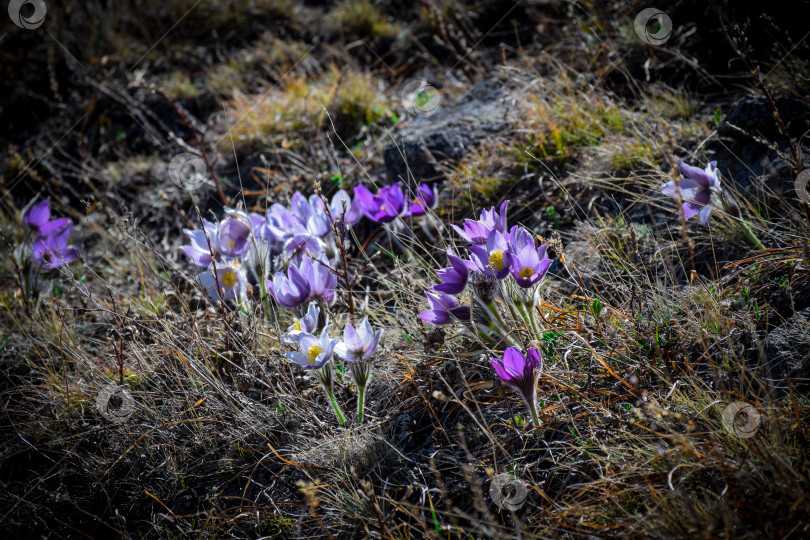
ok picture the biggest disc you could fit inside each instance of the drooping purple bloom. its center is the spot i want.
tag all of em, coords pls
(314, 352)
(383, 207)
(519, 372)
(38, 214)
(444, 309)
(358, 344)
(52, 249)
(698, 190)
(290, 290)
(489, 259)
(529, 265)
(454, 277)
(229, 278)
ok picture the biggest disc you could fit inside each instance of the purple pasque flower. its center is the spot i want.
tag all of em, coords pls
(320, 277)
(199, 251)
(477, 232)
(519, 372)
(495, 221)
(519, 239)
(383, 207)
(314, 352)
(291, 290)
(489, 259)
(454, 277)
(343, 206)
(424, 199)
(232, 240)
(37, 215)
(444, 309)
(305, 325)
(358, 344)
(529, 265)
(230, 278)
(51, 249)
(698, 190)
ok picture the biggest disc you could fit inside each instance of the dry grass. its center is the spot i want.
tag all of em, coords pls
(650, 327)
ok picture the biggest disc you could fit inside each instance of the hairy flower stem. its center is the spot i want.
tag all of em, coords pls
(498, 325)
(532, 405)
(361, 372)
(361, 400)
(327, 376)
(336, 407)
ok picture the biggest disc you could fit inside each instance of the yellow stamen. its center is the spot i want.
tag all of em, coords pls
(297, 326)
(496, 260)
(313, 353)
(526, 272)
(229, 279)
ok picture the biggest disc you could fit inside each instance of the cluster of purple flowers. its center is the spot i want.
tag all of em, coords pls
(50, 247)
(300, 238)
(495, 253)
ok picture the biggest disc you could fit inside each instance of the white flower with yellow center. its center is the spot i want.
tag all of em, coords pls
(313, 352)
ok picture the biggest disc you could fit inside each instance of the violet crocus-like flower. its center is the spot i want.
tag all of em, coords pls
(519, 239)
(383, 207)
(489, 259)
(519, 372)
(313, 351)
(529, 265)
(199, 251)
(305, 325)
(322, 281)
(290, 290)
(52, 249)
(357, 348)
(454, 277)
(315, 354)
(444, 309)
(229, 278)
(232, 240)
(343, 206)
(425, 198)
(38, 214)
(358, 344)
(477, 232)
(699, 190)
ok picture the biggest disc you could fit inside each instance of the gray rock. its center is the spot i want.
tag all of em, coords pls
(754, 115)
(420, 143)
(787, 348)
